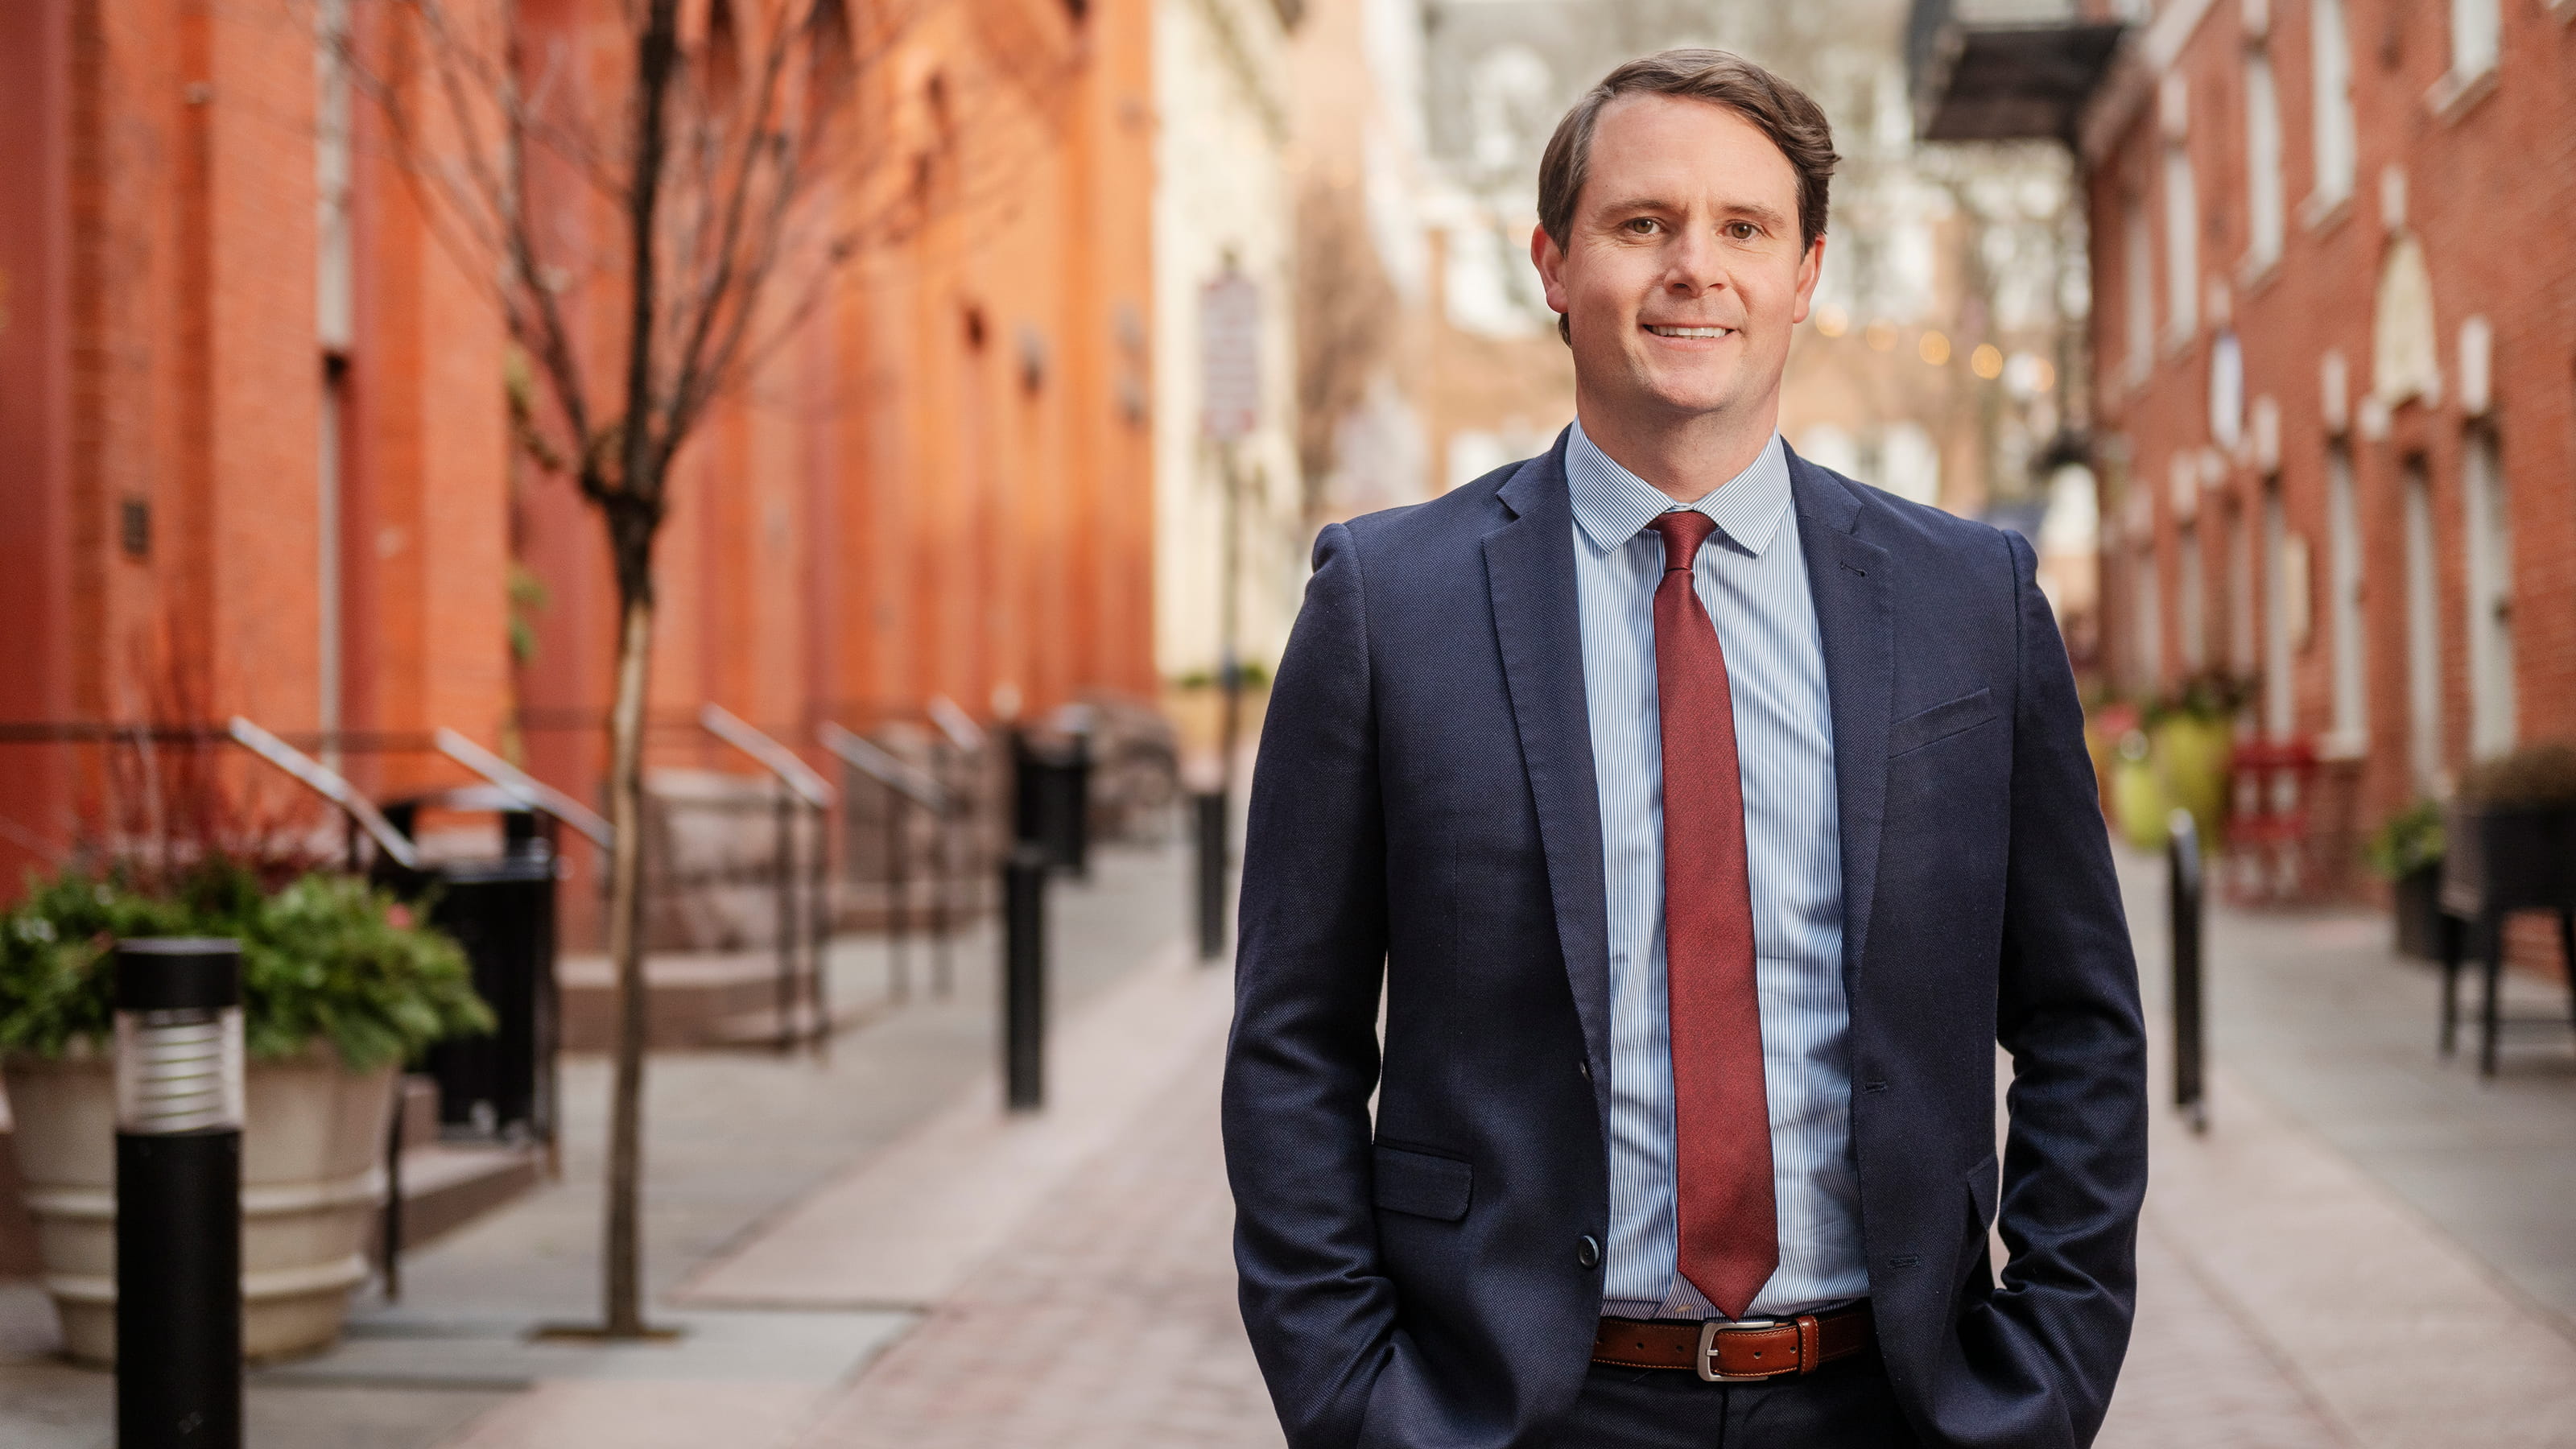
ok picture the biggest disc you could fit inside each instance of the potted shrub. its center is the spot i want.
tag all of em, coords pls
(2108, 720)
(2192, 733)
(2406, 851)
(2511, 838)
(2138, 798)
(338, 987)
(2512, 834)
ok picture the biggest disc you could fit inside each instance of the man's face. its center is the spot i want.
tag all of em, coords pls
(1681, 273)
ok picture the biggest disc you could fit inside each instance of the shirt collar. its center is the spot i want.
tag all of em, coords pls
(1613, 505)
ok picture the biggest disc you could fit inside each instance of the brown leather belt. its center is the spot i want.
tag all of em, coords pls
(1744, 1352)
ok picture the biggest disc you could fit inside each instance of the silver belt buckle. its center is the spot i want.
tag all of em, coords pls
(1707, 1358)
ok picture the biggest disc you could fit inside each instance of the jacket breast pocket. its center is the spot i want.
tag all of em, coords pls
(1931, 726)
(1422, 1183)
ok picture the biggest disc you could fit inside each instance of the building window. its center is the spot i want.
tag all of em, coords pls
(2191, 609)
(2343, 572)
(2182, 246)
(2151, 624)
(2140, 301)
(2423, 635)
(2476, 35)
(2262, 162)
(2490, 559)
(333, 170)
(2283, 580)
(2330, 83)
(2240, 592)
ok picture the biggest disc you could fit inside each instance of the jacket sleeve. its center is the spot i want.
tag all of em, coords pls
(1303, 1058)
(2075, 1162)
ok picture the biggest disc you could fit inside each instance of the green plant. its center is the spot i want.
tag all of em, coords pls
(528, 598)
(2407, 842)
(2541, 776)
(1255, 675)
(2212, 694)
(325, 957)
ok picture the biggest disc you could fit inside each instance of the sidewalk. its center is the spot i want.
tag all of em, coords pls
(2368, 1248)
(733, 1137)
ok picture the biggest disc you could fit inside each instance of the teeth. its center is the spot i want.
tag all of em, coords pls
(1688, 331)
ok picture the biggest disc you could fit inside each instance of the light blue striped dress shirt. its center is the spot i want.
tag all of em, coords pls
(1752, 578)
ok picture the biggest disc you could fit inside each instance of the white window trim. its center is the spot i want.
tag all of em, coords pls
(2329, 198)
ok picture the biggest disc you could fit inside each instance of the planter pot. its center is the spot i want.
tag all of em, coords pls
(312, 1185)
(2417, 896)
(2138, 802)
(2192, 758)
(2508, 860)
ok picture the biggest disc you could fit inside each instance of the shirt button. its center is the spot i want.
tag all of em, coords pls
(1587, 1251)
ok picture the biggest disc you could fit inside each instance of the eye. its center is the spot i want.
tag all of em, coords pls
(1742, 230)
(1642, 226)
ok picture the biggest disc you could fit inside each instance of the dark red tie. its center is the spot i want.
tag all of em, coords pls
(1730, 1234)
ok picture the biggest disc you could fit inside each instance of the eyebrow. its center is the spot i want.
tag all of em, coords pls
(1750, 210)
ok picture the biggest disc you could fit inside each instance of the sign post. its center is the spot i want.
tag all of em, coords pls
(1229, 410)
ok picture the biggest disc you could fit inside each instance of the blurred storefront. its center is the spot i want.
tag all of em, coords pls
(1951, 304)
(2334, 342)
(256, 452)
(1229, 536)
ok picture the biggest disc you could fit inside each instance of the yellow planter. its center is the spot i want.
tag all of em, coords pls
(2138, 800)
(2192, 755)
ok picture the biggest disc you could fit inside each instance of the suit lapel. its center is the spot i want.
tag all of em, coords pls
(1849, 578)
(1529, 567)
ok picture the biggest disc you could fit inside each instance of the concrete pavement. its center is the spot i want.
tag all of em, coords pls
(939, 1275)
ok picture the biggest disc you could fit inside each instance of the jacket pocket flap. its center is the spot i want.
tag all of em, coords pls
(1422, 1184)
(1941, 721)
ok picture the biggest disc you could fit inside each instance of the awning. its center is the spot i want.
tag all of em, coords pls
(2008, 82)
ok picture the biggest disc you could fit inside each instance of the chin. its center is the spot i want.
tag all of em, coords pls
(1695, 395)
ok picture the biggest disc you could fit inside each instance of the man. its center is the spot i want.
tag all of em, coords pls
(1705, 819)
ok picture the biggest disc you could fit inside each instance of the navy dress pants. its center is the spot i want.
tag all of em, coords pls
(1845, 1405)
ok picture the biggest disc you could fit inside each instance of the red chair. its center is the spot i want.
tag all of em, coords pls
(2270, 818)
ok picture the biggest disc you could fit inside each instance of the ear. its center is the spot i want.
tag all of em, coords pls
(1809, 272)
(1549, 258)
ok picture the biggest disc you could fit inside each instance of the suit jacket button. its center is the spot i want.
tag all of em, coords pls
(1588, 1252)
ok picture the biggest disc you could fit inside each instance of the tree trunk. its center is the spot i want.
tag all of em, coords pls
(623, 1273)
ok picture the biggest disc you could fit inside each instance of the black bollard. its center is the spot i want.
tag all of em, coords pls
(2182, 857)
(1024, 876)
(178, 1194)
(1210, 819)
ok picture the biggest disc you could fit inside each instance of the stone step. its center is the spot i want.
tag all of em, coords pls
(446, 1185)
(691, 996)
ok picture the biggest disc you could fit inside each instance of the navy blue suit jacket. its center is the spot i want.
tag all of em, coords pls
(1424, 822)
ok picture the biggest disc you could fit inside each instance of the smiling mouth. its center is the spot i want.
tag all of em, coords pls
(1689, 331)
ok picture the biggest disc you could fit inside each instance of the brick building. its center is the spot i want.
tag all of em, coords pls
(2334, 343)
(254, 447)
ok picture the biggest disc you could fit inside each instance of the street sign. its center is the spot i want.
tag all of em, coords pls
(1229, 356)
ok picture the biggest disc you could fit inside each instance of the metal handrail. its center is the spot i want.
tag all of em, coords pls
(536, 794)
(329, 784)
(779, 760)
(874, 761)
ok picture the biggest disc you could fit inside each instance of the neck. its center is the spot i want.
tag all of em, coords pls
(1683, 455)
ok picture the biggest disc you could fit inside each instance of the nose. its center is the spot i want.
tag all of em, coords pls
(1692, 264)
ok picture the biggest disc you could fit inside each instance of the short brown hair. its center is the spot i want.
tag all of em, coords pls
(1786, 114)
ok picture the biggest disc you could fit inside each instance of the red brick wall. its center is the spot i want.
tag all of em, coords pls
(2491, 185)
(887, 512)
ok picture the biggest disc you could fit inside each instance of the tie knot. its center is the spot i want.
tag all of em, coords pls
(1684, 530)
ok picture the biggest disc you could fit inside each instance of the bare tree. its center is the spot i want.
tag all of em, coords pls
(1345, 324)
(716, 162)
